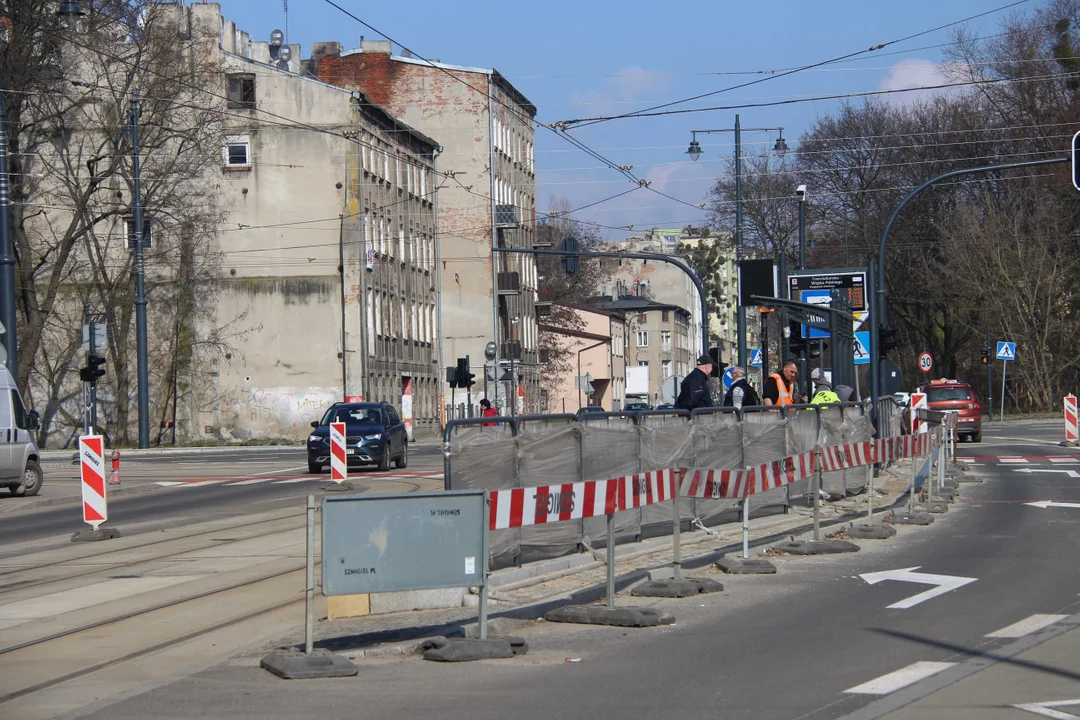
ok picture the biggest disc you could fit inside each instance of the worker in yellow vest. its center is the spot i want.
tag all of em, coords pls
(780, 387)
(823, 392)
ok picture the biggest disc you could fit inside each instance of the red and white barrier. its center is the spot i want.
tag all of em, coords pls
(737, 484)
(339, 463)
(778, 473)
(1071, 434)
(92, 471)
(851, 455)
(544, 504)
(918, 402)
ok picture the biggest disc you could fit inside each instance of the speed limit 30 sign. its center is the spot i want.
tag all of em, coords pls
(926, 362)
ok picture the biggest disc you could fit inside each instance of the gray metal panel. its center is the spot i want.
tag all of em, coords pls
(383, 543)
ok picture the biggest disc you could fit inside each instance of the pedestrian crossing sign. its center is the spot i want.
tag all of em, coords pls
(1006, 351)
(755, 358)
(859, 348)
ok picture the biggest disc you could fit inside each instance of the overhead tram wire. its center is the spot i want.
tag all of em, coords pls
(649, 112)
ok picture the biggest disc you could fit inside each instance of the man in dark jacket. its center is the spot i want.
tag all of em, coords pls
(694, 392)
(740, 394)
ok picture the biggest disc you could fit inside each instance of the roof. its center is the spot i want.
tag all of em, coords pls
(633, 303)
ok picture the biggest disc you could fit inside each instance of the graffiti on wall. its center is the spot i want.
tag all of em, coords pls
(282, 411)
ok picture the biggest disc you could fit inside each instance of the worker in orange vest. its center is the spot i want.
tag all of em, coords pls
(780, 387)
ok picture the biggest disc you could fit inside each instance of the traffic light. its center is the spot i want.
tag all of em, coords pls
(718, 365)
(452, 377)
(570, 263)
(464, 375)
(985, 356)
(886, 341)
(92, 370)
(1076, 161)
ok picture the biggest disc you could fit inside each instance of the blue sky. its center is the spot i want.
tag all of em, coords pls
(580, 59)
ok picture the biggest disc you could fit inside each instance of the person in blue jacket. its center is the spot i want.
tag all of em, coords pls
(694, 392)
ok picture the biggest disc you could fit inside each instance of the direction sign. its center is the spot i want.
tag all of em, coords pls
(1006, 351)
(944, 583)
(755, 357)
(860, 349)
(816, 297)
(926, 362)
(728, 379)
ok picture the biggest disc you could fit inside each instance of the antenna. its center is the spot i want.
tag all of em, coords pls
(286, 5)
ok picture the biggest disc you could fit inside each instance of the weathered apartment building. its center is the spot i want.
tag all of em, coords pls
(594, 363)
(487, 199)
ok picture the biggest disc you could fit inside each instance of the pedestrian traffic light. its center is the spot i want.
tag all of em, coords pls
(451, 377)
(570, 262)
(92, 370)
(886, 341)
(985, 356)
(465, 374)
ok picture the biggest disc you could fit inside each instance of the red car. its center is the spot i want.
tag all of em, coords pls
(946, 394)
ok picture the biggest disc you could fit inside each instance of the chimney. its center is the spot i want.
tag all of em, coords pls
(376, 46)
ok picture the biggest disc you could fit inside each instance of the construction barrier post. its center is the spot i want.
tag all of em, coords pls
(676, 535)
(339, 463)
(114, 478)
(484, 569)
(611, 560)
(817, 485)
(1072, 437)
(309, 593)
(94, 502)
(746, 528)
(914, 477)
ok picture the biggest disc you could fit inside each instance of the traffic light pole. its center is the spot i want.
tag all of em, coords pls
(878, 314)
(989, 379)
(140, 286)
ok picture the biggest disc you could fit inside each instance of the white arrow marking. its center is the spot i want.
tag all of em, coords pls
(1046, 709)
(1050, 503)
(1070, 473)
(944, 583)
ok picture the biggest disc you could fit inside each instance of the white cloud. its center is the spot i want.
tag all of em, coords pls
(620, 91)
(915, 73)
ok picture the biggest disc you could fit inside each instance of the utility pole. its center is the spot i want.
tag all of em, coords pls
(740, 311)
(7, 258)
(140, 287)
(989, 380)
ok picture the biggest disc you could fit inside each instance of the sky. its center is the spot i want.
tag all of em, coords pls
(583, 59)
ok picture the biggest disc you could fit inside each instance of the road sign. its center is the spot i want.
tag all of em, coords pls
(818, 287)
(728, 379)
(918, 402)
(945, 583)
(755, 357)
(926, 362)
(860, 318)
(92, 471)
(339, 461)
(100, 340)
(1006, 351)
(860, 349)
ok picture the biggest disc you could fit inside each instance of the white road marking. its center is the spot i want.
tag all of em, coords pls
(1043, 504)
(900, 679)
(1027, 626)
(298, 480)
(945, 583)
(1028, 471)
(1012, 460)
(1069, 460)
(286, 470)
(249, 482)
(1046, 709)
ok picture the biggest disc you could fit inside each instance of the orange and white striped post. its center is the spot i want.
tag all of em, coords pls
(92, 470)
(1071, 434)
(918, 402)
(339, 464)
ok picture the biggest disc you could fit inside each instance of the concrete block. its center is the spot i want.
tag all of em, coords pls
(438, 599)
(870, 532)
(933, 506)
(745, 566)
(347, 606)
(292, 664)
(619, 617)
(339, 487)
(816, 547)
(95, 535)
(677, 588)
(468, 649)
(919, 518)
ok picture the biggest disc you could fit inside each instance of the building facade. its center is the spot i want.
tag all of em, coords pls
(595, 352)
(486, 199)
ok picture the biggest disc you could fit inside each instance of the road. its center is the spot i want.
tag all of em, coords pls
(815, 641)
(175, 489)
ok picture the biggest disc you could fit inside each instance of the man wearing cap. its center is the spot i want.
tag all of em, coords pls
(823, 392)
(694, 392)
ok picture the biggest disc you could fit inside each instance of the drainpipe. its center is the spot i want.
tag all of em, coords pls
(438, 283)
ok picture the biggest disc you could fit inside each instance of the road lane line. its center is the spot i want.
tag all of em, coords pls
(1027, 626)
(1012, 460)
(900, 679)
(299, 480)
(286, 470)
(254, 481)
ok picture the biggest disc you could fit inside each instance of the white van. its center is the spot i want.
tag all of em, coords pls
(20, 462)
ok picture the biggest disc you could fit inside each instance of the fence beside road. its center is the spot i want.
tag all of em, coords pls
(563, 450)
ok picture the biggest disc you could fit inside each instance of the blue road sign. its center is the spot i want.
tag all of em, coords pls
(1006, 351)
(816, 297)
(728, 379)
(861, 348)
(755, 358)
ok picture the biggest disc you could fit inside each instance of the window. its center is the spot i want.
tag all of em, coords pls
(643, 363)
(129, 233)
(643, 338)
(666, 366)
(642, 317)
(665, 316)
(236, 152)
(665, 340)
(242, 91)
(21, 420)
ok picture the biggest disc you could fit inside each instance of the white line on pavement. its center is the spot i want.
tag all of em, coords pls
(249, 482)
(1065, 460)
(1012, 460)
(297, 480)
(900, 679)
(1026, 626)
(286, 470)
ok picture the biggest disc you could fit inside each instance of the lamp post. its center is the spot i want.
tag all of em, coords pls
(695, 152)
(800, 192)
(140, 285)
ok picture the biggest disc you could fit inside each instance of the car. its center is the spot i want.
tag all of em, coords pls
(945, 394)
(665, 406)
(591, 409)
(902, 398)
(374, 435)
(636, 407)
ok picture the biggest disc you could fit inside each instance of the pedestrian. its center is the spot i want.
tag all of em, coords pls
(740, 394)
(694, 392)
(488, 411)
(844, 392)
(780, 387)
(823, 392)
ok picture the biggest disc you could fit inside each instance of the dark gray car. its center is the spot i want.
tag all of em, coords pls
(374, 435)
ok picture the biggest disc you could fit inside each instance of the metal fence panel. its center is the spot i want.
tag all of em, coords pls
(717, 443)
(764, 439)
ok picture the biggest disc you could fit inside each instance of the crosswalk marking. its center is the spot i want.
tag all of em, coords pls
(1026, 626)
(1012, 460)
(900, 679)
(1064, 460)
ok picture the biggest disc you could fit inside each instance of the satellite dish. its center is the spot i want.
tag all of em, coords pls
(276, 38)
(284, 53)
(282, 65)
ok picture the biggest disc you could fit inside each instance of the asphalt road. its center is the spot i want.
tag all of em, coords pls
(815, 641)
(169, 490)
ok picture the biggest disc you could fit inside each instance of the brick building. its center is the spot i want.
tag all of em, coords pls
(485, 127)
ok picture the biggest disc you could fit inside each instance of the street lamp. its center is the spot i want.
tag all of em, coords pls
(69, 14)
(695, 151)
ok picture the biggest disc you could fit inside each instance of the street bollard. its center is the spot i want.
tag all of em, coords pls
(676, 535)
(611, 561)
(114, 478)
(914, 477)
(746, 528)
(817, 485)
(309, 594)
